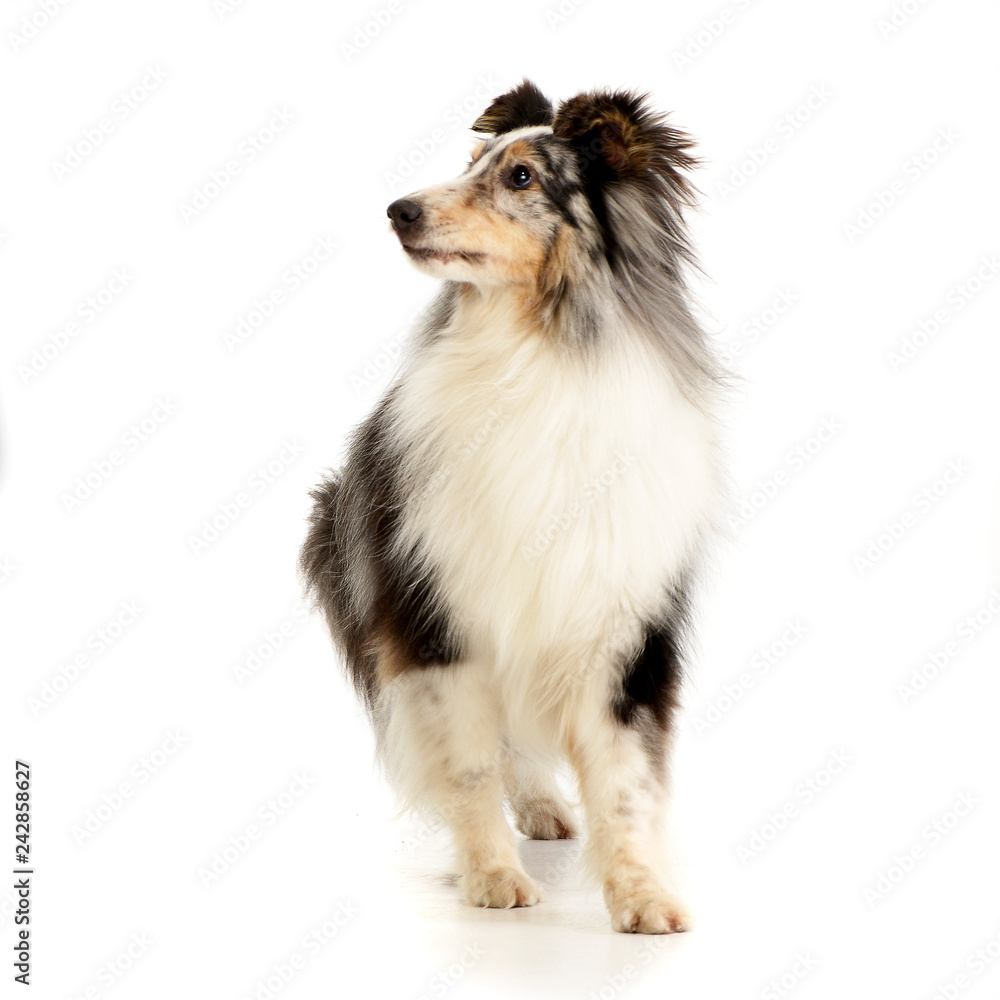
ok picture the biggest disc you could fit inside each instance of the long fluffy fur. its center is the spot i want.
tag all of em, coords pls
(505, 558)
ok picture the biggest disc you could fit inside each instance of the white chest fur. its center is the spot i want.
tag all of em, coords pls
(556, 492)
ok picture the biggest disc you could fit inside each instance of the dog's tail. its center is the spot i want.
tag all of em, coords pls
(320, 561)
(331, 583)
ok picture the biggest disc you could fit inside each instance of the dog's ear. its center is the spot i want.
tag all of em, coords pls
(522, 106)
(616, 130)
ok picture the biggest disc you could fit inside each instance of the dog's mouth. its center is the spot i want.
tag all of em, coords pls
(442, 256)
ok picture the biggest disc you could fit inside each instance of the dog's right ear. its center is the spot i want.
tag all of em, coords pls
(524, 105)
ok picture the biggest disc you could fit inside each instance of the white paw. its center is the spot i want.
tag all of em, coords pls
(545, 819)
(646, 910)
(502, 888)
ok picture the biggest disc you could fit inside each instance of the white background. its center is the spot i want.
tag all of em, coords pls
(801, 910)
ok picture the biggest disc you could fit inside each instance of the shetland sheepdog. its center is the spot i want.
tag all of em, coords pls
(505, 558)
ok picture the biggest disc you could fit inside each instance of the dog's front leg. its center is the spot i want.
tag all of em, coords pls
(443, 746)
(623, 799)
(621, 768)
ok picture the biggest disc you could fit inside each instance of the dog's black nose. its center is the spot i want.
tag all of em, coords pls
(403, 213)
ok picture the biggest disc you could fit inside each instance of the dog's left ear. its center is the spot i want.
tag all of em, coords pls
(619, 132)
(522, 106)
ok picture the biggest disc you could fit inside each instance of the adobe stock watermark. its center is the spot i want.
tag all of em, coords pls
(803, 963)
(432, 820)
(796, 459)
(955, 300)
(429, 825)
(751, 331)
(367, 31)
(7, 569)
(976, 963)
(110, 973)
(86, 313)
(263, 649)
(888, 195)
(761, 664)
(938, 660)
(207, 193)
(804, 794)
(34, 23)
(265, 818)
(924, 500)
(313, 943)
(561, 12)
(758, 155)
(495, 417)
(708, 33)
(129, 442)
(290, 281)
(931, 836)
(446, 979)
(593, 490)
(139, 774)
(223, 8)
(377, 367)
(122, 107)
(259, 481)
(616, 983)
(567, 861)
(97, 642)
(898, 16)
(459, 115)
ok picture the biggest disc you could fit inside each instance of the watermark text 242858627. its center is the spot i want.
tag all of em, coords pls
(22, 871)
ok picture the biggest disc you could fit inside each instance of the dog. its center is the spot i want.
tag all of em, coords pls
(505, 559)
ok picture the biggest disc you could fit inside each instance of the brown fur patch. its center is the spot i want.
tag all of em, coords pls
(517, 152)
(560, 266)
(522, 106)
(390, 663)
(630, 138)
(509, 243)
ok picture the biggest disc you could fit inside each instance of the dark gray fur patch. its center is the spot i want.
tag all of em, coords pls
(365, 587)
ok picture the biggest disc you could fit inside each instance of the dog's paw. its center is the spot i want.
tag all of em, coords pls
(647, 911)
(545, 819)
(502, 888)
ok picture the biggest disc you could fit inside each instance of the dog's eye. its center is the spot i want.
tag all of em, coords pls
(520, 176)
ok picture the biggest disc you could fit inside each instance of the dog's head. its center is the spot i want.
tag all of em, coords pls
(549, 190)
